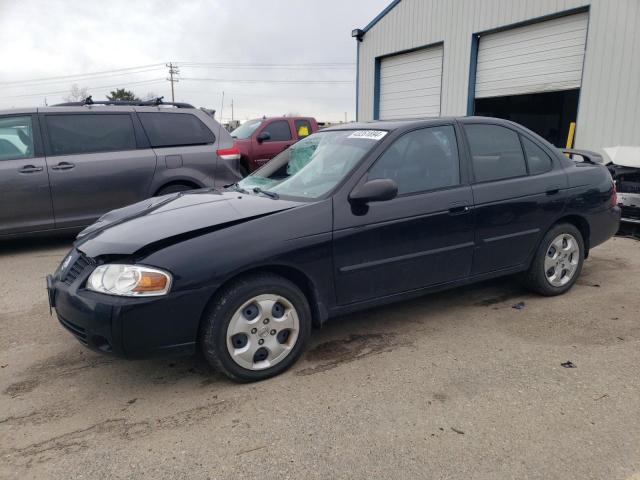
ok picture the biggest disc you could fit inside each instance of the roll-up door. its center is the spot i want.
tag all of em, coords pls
(410, 84)
(541, 57)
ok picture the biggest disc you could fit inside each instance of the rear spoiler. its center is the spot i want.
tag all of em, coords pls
(587, 155)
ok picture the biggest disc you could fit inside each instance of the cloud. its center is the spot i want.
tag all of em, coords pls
(66, 37)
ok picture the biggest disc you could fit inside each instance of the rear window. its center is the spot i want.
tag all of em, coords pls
(90, 133)
(539, 161)
(496, 152)
(175, 129)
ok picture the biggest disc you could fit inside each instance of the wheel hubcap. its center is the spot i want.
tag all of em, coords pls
(262, 332)
(561, 261)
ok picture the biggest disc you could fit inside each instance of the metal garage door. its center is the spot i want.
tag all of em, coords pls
(541, 57)
(410, 84)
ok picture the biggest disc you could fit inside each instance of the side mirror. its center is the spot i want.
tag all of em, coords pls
(262, 136)
(377, 190)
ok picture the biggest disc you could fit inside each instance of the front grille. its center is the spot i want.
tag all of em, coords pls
(77, 331)
(77, 268)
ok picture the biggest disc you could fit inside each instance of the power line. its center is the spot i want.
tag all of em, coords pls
(119, 85)
(240, 66)
(245, 80)
(81, 76)
(269, 64)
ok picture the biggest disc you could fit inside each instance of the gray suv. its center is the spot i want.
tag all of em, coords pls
(62, 167)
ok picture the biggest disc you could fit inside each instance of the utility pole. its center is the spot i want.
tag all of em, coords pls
(173, 73)
(345, 117)
(232, 109)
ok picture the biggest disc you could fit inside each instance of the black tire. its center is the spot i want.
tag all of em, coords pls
(176, 187)
(215, 322)
(535, 278)
(244, 171)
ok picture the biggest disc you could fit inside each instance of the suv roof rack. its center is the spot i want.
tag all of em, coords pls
(154, 102)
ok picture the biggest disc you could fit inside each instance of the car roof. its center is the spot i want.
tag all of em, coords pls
(392, 125)
(17, 111)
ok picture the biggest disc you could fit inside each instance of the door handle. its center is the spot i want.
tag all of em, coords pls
(553, 191)
(63, 166)
(459, 210)
(30, 169)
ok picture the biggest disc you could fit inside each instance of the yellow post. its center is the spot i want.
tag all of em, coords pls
(572, 131)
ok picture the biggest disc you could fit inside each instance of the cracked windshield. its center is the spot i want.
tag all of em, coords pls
(311, 167)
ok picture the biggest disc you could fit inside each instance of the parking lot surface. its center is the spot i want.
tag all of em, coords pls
(454, 385)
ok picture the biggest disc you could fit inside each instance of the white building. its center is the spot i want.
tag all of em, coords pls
(542, 63)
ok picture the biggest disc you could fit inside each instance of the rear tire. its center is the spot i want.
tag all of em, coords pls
(256, 328)
(176, 187)
(558, 261)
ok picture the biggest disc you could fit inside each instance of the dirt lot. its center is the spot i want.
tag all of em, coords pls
(455, 385)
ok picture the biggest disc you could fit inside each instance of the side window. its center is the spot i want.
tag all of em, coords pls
(424, 159)
(175, 129)
(278, 130)
(303, 128)
(495, 151)
(88, 133)
(538, 160)
(16, 138)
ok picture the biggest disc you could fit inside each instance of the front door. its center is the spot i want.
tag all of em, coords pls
(423, 237)
(279, 138)
(95, 165)
(25, 197)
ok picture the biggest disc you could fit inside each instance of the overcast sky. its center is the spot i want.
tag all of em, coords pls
(67, 38)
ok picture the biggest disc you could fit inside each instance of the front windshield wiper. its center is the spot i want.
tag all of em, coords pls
(269, 194)
(236, 186)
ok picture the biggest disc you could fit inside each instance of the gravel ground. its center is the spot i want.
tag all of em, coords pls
(453, 385)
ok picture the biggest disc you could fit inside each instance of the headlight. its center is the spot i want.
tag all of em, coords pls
(129, 280)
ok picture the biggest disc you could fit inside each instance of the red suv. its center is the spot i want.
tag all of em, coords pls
(259, 140)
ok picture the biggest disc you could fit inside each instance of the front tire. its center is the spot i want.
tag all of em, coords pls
(256, 328)
(558, 261)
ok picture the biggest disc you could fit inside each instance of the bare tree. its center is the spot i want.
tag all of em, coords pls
(150, 96)
(77, 94)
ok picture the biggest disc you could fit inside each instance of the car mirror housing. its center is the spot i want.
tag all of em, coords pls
(262, 136)
(378, 190)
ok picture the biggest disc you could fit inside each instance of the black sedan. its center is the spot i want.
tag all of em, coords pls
(348, 218)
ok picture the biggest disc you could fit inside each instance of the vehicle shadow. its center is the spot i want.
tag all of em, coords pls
(346, 338)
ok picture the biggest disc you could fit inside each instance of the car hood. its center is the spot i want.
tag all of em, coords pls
(161, 221)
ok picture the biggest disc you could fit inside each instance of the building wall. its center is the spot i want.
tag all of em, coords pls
(609, 108)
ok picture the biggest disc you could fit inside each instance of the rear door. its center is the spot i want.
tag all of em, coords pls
(518, 193)
(421, 238)
(95, 164)
(280, 138)
(25, 197)
(185, 147)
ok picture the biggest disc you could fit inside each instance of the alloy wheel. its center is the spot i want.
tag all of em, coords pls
(561, 260)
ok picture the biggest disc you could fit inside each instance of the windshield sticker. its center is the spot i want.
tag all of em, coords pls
(369, 134)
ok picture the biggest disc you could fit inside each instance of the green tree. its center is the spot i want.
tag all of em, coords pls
(122, 94)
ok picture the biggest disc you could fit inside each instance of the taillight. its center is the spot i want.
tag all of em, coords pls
(232, 153)
(614, 195)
